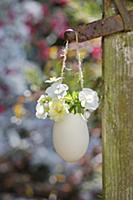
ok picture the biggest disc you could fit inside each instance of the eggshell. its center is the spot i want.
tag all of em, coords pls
(71, 137)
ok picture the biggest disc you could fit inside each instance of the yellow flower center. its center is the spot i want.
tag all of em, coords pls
(57, 110)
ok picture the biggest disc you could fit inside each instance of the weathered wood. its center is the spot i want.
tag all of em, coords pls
(117, 114)
(103, 27)
(121, 6)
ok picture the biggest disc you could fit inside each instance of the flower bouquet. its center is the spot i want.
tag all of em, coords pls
(70, 112)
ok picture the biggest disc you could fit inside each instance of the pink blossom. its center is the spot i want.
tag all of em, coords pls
(1, 24)
(97, 53)
(32, 27)
(60, 2)
(59, 24)
(45, 10)
(11, 15)
(2, 108)
(43, 49)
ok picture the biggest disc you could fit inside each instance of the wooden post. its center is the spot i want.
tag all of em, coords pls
(117, 117)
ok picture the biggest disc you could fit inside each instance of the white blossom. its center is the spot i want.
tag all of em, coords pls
(58, 90)
(87, 114)
(89, 99)
(34, 9)
(40, 111)
(53, 79)
(41, 98)
(58, 109)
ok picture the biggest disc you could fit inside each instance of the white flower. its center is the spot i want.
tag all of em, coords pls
(58, 90)
(41, 98)
(58, 109)
(89, 99)
(42, 107)
(33, 9)
(40, 111)
(87, 114)
(53, 79)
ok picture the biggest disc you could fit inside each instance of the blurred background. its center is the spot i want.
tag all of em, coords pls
(31, 45)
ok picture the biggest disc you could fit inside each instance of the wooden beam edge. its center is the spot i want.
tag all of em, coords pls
(99, 28)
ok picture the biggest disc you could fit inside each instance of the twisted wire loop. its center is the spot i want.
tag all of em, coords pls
(81, 78)
(64, 60)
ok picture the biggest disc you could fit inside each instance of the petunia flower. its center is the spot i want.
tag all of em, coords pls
(58, 90)
(89, 99)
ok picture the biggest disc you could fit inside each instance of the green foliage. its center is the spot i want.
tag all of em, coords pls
(73, 101)
(82, 11)
(34, 78)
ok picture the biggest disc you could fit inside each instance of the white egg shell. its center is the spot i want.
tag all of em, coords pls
(71, 137)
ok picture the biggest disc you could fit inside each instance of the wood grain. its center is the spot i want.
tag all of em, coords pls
(117, 117)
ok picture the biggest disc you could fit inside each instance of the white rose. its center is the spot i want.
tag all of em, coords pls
(58, 90)
(89, 99)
